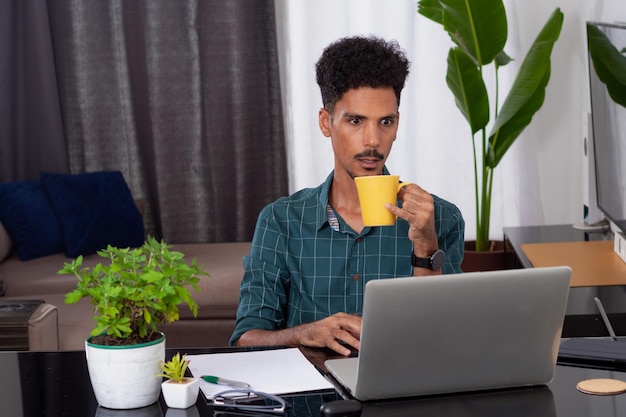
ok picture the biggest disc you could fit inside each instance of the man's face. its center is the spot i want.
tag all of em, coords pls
(362, 129)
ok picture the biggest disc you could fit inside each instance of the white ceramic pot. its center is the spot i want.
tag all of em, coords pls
(181, 394)
(125, 377)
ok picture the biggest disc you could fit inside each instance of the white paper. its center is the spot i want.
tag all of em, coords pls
(275, 371)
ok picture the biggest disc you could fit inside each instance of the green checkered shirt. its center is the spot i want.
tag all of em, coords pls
(305, 263)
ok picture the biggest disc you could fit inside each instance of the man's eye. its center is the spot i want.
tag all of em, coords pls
(387, 122)
(355, 120)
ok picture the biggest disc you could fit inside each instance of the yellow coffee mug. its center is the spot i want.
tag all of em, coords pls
(374, 192)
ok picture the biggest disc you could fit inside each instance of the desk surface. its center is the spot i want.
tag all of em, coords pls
(34, 384)
(593, 263)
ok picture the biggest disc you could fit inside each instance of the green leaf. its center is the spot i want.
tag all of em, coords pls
(73, 297)
(608, 63)
(99, 330)
(466, 83)
(501, 141)
(431, 9)
(479, 27)
(187, 298)
(175, 368)
(151, 276)
(502, 59)
(123, 328)
(528, 90)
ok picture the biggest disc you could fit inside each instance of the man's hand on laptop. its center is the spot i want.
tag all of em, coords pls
(337, 332)
(340, 332)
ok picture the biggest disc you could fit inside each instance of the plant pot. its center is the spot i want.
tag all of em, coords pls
(497, 258)
(125, 377)
(181, 394)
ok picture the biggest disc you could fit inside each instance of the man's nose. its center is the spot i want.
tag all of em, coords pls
(371, 135)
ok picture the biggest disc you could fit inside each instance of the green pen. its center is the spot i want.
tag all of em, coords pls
(223, 381)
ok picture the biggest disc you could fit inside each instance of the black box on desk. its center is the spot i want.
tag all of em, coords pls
(28, 325)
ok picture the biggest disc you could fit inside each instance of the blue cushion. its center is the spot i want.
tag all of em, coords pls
(94, 210)
(29, 219)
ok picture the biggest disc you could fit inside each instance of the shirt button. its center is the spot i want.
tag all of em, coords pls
(355, 277)
(358, 239)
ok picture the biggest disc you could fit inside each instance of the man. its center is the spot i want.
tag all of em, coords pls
(311, 256)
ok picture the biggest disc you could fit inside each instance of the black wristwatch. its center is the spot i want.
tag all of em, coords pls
(434, 261)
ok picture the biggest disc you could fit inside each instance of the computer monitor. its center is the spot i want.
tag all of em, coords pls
(607, 81)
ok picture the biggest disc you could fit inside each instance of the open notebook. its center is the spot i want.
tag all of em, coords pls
(456, 333)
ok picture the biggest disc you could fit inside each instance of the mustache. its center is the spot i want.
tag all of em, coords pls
(371, 153)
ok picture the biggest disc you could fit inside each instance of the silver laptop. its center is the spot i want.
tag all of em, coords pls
(456, 333)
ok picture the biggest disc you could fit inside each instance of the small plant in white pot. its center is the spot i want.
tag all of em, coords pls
(179, 391)
(132, 294)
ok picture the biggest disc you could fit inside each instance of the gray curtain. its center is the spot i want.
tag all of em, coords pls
(31, 131)
(181, 96)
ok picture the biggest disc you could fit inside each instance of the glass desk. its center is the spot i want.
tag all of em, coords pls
(36, 384)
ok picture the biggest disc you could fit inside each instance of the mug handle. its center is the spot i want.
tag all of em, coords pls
(403, 184)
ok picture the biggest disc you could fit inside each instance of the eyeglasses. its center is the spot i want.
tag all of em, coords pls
(249, 400)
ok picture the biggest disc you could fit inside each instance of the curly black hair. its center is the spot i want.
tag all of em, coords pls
(358, 61)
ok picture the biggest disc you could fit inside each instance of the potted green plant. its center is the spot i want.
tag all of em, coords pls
(133, 293)
(479, 31)
(179, 390)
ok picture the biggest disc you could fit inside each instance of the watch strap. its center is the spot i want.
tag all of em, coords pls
(418, 262)
(433, 262)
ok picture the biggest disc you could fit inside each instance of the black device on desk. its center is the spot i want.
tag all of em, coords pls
(596, 352)
(341, 408)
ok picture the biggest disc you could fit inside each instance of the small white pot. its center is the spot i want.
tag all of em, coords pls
(181, 394)
(125, 377)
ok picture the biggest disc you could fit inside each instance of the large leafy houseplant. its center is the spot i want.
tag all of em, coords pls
(137, 290)
(479, 31)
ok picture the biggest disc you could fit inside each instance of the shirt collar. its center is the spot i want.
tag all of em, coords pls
(322, 217)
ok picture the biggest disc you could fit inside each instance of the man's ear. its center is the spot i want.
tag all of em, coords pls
(324, 122)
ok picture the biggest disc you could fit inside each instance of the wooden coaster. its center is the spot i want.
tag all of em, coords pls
(602, 386)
